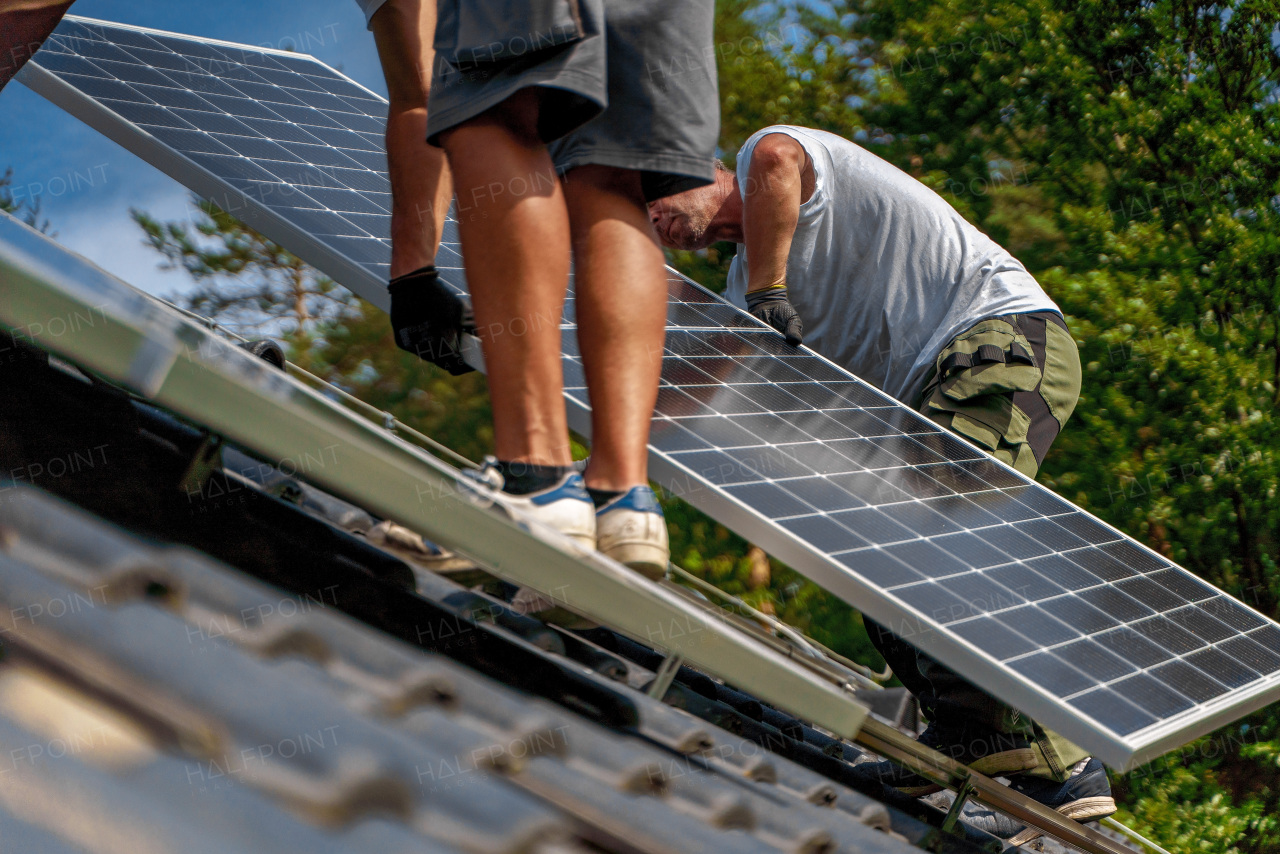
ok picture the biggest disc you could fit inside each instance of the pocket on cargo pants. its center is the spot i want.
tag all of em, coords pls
(972, 387)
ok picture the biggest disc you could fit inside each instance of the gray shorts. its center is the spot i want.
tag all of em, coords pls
(633, 86)
(369, 7)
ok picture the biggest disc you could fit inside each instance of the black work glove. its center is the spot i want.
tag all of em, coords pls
(773, 308)
(429, 319)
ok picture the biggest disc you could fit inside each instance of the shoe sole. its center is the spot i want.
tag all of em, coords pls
(1008, 762)
(587, 541)
(1083, 810)
(647, 559)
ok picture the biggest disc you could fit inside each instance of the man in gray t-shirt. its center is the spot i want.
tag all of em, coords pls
(881, 269)
(842, 251)
(875, 271)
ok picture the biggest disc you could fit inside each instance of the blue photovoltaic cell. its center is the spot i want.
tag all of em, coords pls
(1034, 597)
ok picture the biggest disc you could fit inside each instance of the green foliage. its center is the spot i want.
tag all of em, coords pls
(249, 283)
(1145, 135)
(27, 210)
(1218, 794)
(708, 267)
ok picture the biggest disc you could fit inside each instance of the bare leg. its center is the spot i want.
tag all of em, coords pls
(515, 243)
(23, 28)
(621, 293)
(420, 185)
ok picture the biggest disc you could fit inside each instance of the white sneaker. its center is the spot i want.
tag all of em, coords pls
(632, 530)
(565, 505)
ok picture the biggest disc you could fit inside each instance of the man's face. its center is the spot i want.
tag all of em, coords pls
(682, 220)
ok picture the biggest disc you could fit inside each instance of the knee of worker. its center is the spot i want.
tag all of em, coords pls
(1015, 454)
(1020, 457)
(1056, 755)
(1060, 385)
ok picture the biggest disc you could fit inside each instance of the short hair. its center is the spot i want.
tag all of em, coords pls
(720, 167)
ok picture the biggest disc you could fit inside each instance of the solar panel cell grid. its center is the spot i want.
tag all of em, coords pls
(877, 502)
(215, 104)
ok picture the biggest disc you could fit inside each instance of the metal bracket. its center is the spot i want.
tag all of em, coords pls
(953, 815)
(206, 460)
(665, 676)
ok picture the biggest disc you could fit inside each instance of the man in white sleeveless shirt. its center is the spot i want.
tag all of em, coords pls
(842, 251)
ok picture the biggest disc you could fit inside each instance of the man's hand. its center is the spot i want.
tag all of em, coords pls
(771, 306)
(429, 319)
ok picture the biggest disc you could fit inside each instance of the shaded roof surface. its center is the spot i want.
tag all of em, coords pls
(232, 660)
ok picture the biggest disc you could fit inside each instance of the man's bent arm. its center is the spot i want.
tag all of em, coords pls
(771, 208)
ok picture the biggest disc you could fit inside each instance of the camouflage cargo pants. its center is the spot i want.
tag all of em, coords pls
(1007, 384)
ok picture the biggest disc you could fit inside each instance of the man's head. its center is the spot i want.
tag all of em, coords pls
(699, 217)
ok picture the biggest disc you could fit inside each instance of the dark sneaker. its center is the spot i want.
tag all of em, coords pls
(986, 751)
(1085, 796)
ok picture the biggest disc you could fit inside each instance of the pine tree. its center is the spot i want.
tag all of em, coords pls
(249, 283)
(27, 210)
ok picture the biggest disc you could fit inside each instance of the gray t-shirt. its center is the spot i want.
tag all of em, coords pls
(882, 270)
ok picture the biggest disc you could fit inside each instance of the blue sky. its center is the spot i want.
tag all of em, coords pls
(87, 183)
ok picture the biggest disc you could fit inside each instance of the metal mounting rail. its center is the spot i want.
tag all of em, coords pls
(1137, 837)
(787, 638)
(386, 419)
(65, 305)
(891, 744)
(826, 668)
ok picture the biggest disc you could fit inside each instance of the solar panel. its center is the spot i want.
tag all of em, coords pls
(1037, 601)
(282, 141)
